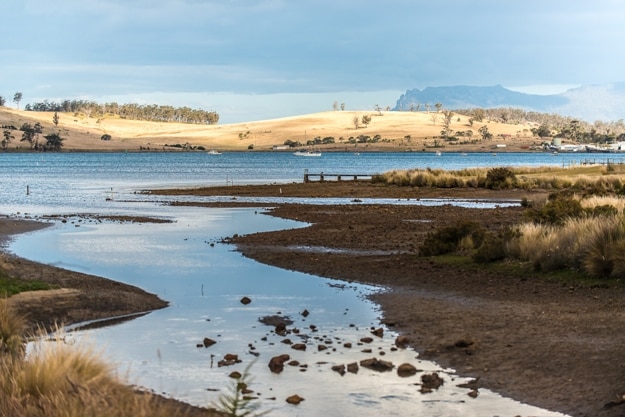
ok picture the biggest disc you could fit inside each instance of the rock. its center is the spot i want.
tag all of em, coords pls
(293, 363)
(366, 340)
(294, 399)
(379, 332)
(276, 364)
(473, 393)
(280, 329)
(299, 346)
(305, 313)
(406, 369)
(430, 382)
(352, 367)
(208, 342)
(321, 348)
(472, 384)
(377, 365)
(287, 341)
(347, 345)
(235, 375)
(246, 300)
(231, 357)
(339, 368)
(402, 341)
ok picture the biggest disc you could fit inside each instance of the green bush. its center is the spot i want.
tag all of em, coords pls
(447, 239)
(500, 178)
(556, 211)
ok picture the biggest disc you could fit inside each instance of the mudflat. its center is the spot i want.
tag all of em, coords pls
(529, 336)
(532, 337)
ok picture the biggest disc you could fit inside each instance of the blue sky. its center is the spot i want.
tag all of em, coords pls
(257, 59)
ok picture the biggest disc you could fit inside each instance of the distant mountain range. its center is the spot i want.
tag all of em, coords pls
(605, 102)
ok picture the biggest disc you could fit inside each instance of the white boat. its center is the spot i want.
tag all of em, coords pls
(307, 153)
(213, 152)
(438, 153)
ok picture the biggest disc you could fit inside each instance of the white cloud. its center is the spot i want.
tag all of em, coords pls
(273, 47)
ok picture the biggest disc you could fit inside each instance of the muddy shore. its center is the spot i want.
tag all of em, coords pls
(536, 339)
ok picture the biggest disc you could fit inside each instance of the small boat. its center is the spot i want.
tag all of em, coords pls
(438, 153)
(307, 153)
(213, 152)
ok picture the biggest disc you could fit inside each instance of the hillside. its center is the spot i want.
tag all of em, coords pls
(397, 130)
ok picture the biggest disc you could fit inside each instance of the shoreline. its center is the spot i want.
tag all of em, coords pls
(530, 337)
(540, 341)
(75, 297)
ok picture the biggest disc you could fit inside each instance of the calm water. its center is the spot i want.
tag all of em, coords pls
(184, 263)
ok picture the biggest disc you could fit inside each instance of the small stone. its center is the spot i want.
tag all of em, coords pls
(294, 399)
(402, 341)
(298, 346)
(405, 370)
(376, 364)
(305, 313)
(246, 300)
(352, 367)
(208, 342)
(339, 368)
(276, 364)
(379, 332)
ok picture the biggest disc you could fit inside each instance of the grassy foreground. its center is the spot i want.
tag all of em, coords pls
(59, 379)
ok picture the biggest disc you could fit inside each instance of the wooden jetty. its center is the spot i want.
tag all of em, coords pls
(323, 177)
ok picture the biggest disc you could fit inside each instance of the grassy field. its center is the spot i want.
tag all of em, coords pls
(398, 131)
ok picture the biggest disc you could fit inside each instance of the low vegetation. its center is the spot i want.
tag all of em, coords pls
(59, 379)
(587, 179)
(10, 285)
(585, 235)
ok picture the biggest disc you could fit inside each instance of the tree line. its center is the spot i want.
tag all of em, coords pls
(130, 111)
(32, 134)
(553, 125)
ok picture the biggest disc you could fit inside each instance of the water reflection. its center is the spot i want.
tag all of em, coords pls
(204, 280)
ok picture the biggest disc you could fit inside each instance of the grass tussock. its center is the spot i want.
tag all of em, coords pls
(590, 180)
(593, 245)
(55, 379)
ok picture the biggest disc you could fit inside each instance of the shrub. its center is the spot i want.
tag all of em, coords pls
(447, 239)
(500, 178)
(555, 211)
(495, 246)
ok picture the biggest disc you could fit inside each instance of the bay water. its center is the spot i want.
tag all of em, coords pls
(186, 263)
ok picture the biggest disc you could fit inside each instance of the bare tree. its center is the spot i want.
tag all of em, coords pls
(335, 106)
(434, 117)
(356, 122)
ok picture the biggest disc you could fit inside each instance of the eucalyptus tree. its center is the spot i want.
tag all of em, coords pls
(17, 97)
(7, 137)
(54, 142)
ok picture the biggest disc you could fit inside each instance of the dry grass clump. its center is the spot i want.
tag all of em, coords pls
(595, 245)
(58, 380)
(545, 177)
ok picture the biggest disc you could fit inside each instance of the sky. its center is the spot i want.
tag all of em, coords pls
(260, 59)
